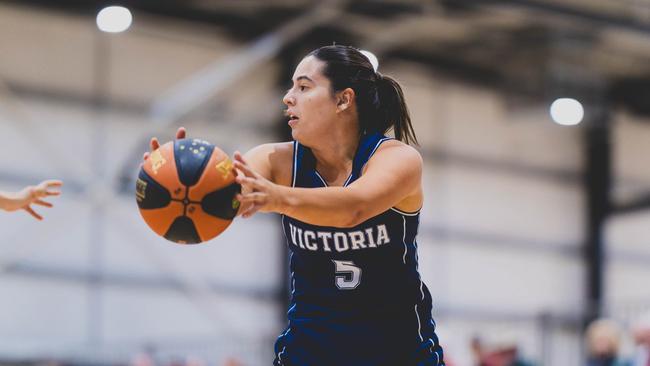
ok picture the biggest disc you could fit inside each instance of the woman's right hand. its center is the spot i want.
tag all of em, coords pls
(154, 144)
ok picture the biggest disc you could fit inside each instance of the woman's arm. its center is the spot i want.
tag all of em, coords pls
(392, 174)
(23, 199)
(273, 163)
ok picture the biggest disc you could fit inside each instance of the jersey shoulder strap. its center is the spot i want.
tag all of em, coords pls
(367, 146)
(304, 167)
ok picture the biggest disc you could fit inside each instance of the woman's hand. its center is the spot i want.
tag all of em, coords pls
(29, 195)
(258, 193)
(154, 144)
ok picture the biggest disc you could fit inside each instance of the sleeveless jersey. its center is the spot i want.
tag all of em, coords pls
(356, 294)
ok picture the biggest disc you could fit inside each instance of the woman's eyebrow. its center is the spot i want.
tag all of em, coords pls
(304, 77)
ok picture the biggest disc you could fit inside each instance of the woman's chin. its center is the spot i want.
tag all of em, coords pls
(306, 138)
(295, 134)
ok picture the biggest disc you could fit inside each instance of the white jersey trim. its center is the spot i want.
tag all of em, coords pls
(404, 240)
(294, 170)
(347, 181)
(280, 355)
(404, 212)
(321, 178)
(419, 325)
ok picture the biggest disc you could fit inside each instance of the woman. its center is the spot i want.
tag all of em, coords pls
(23, 199)
(350, 199)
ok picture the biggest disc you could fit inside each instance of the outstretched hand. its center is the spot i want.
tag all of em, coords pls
(29, 195)
(258, 193)
(154, 144)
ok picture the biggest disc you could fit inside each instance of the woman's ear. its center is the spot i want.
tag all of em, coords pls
(345, 99)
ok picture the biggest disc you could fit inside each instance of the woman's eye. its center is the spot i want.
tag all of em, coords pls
(302, 88)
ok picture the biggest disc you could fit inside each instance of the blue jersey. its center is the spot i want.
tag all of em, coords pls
(356, 294)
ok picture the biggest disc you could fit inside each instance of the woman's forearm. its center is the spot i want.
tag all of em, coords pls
(330, 206)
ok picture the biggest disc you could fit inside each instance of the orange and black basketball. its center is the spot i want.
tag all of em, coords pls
(186, 191)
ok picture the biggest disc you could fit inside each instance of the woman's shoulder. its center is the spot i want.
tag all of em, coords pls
(395, 149)
(395, 153)
(277, 157)
(277, 148)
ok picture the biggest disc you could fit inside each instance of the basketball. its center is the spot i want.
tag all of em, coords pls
(186, 191)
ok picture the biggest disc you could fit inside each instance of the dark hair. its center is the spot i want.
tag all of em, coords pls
(379, 98)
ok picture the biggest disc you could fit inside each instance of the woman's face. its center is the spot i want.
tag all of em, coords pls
(310, 104)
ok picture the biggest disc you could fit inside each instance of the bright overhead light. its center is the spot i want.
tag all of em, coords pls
(114, 19)
(567, 111)
(372, 58)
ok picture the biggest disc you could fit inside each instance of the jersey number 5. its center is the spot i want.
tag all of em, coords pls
(348, 275)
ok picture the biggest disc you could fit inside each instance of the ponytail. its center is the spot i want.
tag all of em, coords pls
(380, 100)
(392, 110)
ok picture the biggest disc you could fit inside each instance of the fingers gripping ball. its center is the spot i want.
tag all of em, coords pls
(186, 191)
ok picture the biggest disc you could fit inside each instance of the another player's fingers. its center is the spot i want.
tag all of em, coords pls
(54, 183)
(33, 213)
(52, 192)
(42, 203)
(181, 133)
(38, 192)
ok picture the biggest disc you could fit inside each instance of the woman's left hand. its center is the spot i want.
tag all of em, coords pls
(258, 193)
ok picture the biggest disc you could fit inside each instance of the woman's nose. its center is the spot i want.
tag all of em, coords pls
(288, 99)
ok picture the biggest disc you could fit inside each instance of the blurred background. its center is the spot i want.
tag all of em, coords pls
(534, 123)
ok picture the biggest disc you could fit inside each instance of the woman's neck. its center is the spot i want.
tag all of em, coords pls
(335, 154)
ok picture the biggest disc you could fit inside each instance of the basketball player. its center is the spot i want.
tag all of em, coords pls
(350, 199)
(23, 199)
